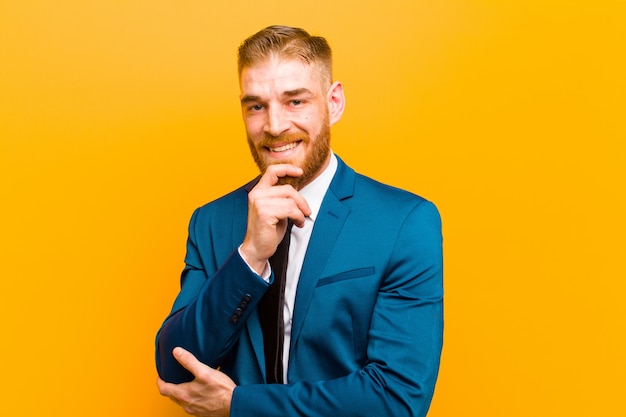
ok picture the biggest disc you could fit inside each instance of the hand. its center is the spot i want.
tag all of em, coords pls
(208, 395)
(269, 207)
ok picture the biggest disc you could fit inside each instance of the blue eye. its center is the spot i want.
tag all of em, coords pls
(296, 102)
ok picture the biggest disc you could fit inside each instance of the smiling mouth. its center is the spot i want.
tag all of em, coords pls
(284, 147)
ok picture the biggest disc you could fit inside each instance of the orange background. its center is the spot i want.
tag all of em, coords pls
(118, 118)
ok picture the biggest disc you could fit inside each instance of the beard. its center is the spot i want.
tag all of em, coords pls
(314, 159)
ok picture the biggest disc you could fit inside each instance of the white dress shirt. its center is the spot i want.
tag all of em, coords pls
(313, 193)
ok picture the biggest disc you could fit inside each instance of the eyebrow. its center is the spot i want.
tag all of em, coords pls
(249, 99)
(288, 93)
(297, 92)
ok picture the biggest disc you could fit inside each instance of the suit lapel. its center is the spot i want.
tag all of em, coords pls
(330, 220)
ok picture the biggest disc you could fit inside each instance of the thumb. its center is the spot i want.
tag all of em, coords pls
(187, 360)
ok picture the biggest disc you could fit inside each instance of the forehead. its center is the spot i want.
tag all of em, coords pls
(279, 75)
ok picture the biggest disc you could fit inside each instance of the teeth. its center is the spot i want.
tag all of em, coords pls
(284, 148)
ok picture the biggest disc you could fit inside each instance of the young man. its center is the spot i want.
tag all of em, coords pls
(354, 325)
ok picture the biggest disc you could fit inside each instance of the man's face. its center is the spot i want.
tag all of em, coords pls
(285, 111)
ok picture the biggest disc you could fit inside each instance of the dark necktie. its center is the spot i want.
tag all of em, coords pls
(271, 312)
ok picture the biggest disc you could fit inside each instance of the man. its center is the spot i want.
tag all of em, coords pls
(360, 326)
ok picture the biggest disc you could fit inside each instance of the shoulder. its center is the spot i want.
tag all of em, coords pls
(380, 196)
(393, 204)
(390, 193)
(349, 184)
(379, 205)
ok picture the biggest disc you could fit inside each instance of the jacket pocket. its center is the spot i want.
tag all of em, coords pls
(355, 273)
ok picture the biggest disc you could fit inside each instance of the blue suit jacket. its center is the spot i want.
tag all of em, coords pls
(368, 317)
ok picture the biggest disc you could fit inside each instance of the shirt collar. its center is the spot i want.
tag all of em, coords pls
(315, 191)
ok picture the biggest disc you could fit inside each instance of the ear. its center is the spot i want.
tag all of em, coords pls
(336, 102)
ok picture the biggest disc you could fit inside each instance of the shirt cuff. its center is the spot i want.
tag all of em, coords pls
(267, 271)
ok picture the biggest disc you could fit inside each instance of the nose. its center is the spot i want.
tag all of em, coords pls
(277, 121)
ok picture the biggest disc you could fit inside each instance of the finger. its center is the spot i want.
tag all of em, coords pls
(284, 201)
(161, 385)
(303, 207)
(299, 213)
(286, 205)
(300, 208)
(172, 391)
(165, 388)
(188, 360)
(274, 172)
(287, 191)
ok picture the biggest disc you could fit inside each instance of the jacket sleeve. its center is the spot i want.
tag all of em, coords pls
(404, 342)
(209, 312)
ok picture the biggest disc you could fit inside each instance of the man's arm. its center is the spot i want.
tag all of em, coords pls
(404, 347)
(198, 316)
(214, 294)
(404, 342)
(208, 395)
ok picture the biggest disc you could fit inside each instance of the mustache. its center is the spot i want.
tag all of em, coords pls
(269, 141)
